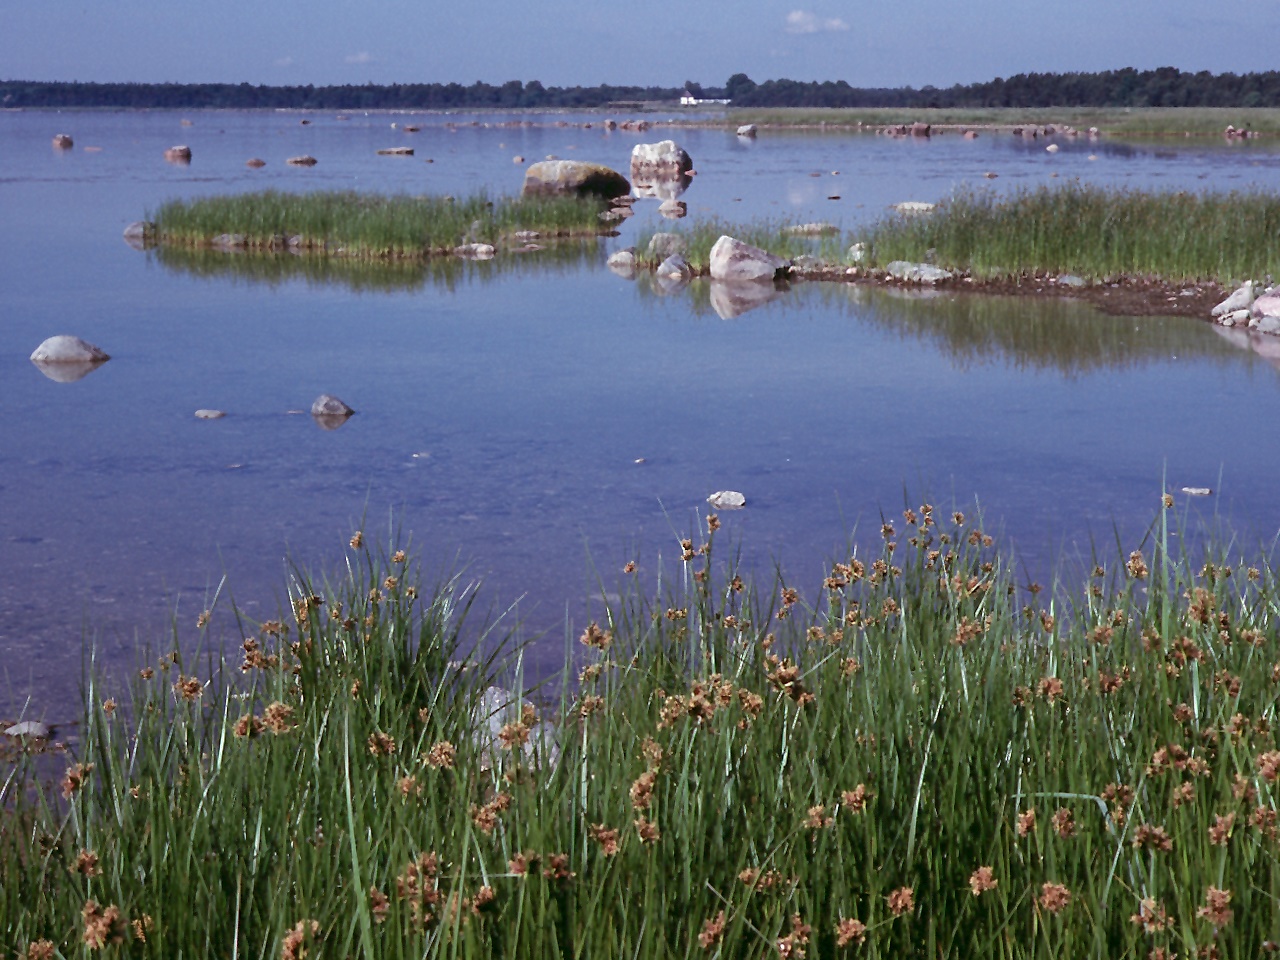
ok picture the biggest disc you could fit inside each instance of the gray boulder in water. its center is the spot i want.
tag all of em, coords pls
(573, 178)
(329, 412)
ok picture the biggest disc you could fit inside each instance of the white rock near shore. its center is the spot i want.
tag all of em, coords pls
(1241, 299)
(732, 259)
(917, 272)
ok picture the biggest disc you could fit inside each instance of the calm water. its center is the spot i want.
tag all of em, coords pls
(503, 406)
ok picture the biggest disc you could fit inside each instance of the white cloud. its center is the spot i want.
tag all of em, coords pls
(803, 21)
(361, 57)
(284, 62)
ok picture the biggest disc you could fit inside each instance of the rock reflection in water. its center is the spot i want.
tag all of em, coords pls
(68, 372)
(1264, 345)
(733, 298)
(661, 188)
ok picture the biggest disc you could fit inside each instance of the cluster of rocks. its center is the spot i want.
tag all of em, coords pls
(65, 359)
(1251, 307)
(1238, 133)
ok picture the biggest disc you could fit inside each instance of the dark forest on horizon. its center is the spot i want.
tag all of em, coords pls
(1164, 87)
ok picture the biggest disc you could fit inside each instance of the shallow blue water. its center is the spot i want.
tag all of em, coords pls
(501, 415)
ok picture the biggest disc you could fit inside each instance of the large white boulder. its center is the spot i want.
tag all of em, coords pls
(732, 259)
(1264, 314)
(68, 349)
(663, 159)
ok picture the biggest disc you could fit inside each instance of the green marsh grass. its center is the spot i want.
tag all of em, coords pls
(913, 758)
(371, 225)
(1094, 232)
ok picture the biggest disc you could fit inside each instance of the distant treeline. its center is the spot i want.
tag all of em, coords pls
(1165, 87)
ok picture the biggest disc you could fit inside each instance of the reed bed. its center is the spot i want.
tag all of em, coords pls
(1094, 232)
(1118, 122)
(370, 225)
(919, 760)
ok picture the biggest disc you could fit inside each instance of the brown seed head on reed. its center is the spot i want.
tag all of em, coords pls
(441, 755)
(1054, 897)
(1026, 822)
(982, 880)
(902, 900)
(647, 830)
(1151, 916)
(712, 930)
(381, 744)
(278, 718)
(86, 864)
(606, 837)
(850, 930)
(1152, 838)
(75, 777)
(791, 946)
(1220, 832)
(39, 950)
(102, 925)
(298, 942)
(1217, 909)
(1064, 823)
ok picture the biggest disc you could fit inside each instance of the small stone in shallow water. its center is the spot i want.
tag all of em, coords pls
(1197, 491)
(203, 414)
(327, 405)
(727, 500)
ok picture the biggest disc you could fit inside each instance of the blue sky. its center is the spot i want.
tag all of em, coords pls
(662, 42)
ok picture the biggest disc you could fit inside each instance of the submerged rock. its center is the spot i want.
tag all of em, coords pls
(727, 500)
(63, 141)
(140, 234)
(303, 161)
(255, 162)
(623, 263)
(914, 206)
(205, 414)
(674, 267)
(497, 709)
(910, 272)
(474, 251)
(28, 728)
(329, 412)
(747, 130)
(178, 154)
(573, 177)
(1241, 299)
(396, 152)
(732, 259)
